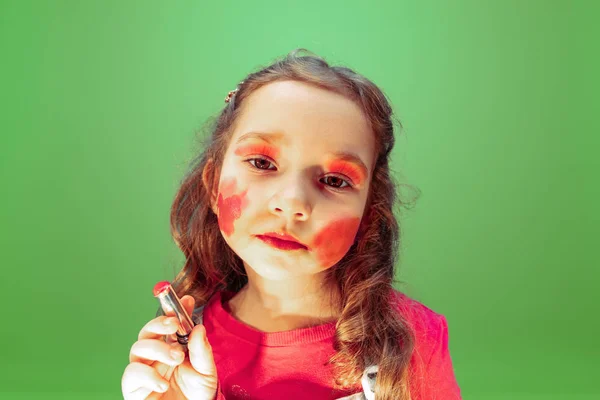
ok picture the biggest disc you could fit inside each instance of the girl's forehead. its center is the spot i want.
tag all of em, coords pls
(295, 102)
(315, 120)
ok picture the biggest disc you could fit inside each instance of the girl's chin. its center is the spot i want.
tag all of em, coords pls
(279, 267)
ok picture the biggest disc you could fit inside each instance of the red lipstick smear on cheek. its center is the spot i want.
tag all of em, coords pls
(230, 205)
(335, 239)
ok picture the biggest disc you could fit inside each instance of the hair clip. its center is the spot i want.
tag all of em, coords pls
(230, 95)
(233, 92)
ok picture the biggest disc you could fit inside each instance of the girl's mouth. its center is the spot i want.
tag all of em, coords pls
(281, 244)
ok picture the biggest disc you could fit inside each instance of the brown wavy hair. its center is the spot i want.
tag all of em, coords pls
(369, 330)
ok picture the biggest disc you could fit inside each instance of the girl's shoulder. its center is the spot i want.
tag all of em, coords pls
(431, 363)
(413, 310)
(427, 324)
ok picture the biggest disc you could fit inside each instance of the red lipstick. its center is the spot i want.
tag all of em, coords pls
(281, 241)
(172, 306)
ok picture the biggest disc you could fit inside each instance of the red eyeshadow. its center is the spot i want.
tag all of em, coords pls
(352, 170)
(262, 149)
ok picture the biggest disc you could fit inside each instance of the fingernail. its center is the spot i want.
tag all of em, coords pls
(163, 386)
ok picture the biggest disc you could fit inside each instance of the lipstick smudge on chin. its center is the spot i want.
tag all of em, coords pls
(335, 239)
(230, 205)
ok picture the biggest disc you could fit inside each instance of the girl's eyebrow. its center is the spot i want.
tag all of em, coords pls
(267, 137)
(278, 136)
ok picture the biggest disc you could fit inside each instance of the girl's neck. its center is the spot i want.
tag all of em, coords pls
(276, 312)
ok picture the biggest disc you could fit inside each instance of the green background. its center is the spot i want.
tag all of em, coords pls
(100, 105)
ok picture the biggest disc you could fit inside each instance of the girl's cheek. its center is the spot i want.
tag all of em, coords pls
(334, 240)
(230, 205)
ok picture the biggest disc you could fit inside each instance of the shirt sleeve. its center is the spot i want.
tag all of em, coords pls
(440, 380)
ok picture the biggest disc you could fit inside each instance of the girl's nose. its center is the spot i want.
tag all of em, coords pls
(291, 204)
(291, 215)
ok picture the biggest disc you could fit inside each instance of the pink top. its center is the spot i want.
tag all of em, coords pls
(256, 365)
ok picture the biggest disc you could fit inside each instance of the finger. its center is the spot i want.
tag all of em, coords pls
(188, 303)
(200, 352)
(139, 380)
(193, 384)
(158, 327)
(146, 351)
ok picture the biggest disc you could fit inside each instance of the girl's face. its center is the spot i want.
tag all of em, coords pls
(299, 163)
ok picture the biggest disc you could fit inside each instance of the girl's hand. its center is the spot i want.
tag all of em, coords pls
(153, 373)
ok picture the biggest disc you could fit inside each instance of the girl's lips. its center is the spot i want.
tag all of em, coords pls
(281, 244)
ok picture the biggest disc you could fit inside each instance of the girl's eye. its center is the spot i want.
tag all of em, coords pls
(336, 180)
(263, 164)
(261, 161)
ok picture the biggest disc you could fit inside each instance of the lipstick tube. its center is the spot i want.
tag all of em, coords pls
(172, 306)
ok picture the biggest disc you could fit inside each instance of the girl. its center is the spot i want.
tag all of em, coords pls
(286, 221)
